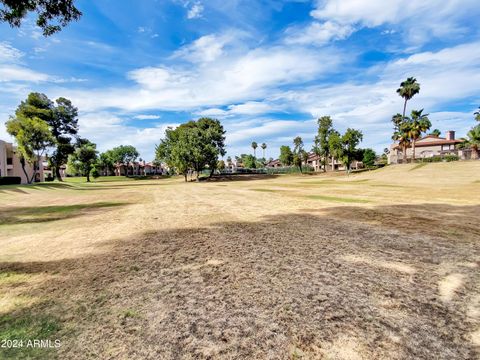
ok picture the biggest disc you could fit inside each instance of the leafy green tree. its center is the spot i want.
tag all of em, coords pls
(419, 124)
(321, 143)
(94, 172)
(249, 161)
(221, 165)
(124, 154)
(106, 162)
(52, 15)
(369, 157)
(254, 147)
(344, 147)
(193, 145)
(61, 117)
(33, 137)
(407, 90)
(263, 146)
(297, 152)
(84, 158)
(435, 132)
(286, 155)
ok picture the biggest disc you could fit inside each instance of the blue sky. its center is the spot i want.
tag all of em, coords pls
(267, 69)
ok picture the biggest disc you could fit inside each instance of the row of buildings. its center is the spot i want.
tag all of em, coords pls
(10, 165)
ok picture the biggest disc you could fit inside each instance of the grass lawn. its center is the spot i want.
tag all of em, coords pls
(381, 264)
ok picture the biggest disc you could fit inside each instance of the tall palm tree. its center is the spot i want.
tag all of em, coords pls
(397, 120)
(407, 90)
(403, 138)
(477, 114)
(418, 125)
(263, 146)
(254, 146)
(474, 140)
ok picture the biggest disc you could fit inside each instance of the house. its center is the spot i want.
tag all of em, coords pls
(314, 161)
(274, 164)
(139, 168)
(428, 147)
(10, 164)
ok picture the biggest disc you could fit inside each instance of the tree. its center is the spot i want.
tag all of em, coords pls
(61, 117)
(477, 114)
(474, 141)
(84, 157)
(344, 147)
(286, 155)
(124, 154)
(221, 165)
(33, 137)
(436, 133)
(193, 145)
(263, 146)
(297, 152)
(249, 161)
(419, 124)
(254, 147)
(321, 146)
(369, 157)
(407, 90)
(106, 162)
(52, 15)
(402, 136)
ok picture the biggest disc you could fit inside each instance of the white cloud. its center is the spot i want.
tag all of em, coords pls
(205, 49)
(195, 11)
(8, 53)
(147, 117)
(20, 73)
(419, 20)
(319, 33)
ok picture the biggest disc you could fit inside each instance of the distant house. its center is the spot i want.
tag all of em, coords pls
(139, 168)
(428, 147)
(274, 164)
(10, 164)
(314, 161)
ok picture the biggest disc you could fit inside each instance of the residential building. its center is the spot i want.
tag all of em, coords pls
(430, 146)
(139, 168)
(10, 164)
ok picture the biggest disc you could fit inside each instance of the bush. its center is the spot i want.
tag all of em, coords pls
(432, 159)
(451, 157)
(94, 173)
(49, 178)
(10, 180)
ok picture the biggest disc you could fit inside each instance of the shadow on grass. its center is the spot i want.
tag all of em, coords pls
(38, 214)
(258, 289)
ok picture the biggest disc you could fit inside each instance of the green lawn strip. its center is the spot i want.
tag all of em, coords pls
(336, 199)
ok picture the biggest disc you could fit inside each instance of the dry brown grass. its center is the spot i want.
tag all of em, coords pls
(276, 268)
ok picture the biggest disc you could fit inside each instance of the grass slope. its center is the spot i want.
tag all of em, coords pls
(385, 265)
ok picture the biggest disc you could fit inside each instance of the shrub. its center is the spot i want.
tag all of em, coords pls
(451, 157)
(10, 180)
(49, 178)
(94, 173)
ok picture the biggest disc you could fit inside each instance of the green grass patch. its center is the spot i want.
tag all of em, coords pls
(334, 182)
(24, 327)
(10, 277)
(336, 199)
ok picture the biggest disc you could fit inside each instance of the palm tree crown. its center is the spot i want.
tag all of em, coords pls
(477, 114)
(263, 146)
(407, 90)
(254, 147)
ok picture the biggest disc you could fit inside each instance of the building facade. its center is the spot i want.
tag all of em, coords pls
(428, 147)
(10, 164)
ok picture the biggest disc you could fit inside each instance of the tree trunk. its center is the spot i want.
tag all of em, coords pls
(185, 174)
(211, 172)
(25, 172)
(413, 150)
(57, 173)
(88, 176)
(474, 153)
(405, 153)
(404, 109)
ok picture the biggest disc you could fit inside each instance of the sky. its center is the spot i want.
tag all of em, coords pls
(267, 69)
